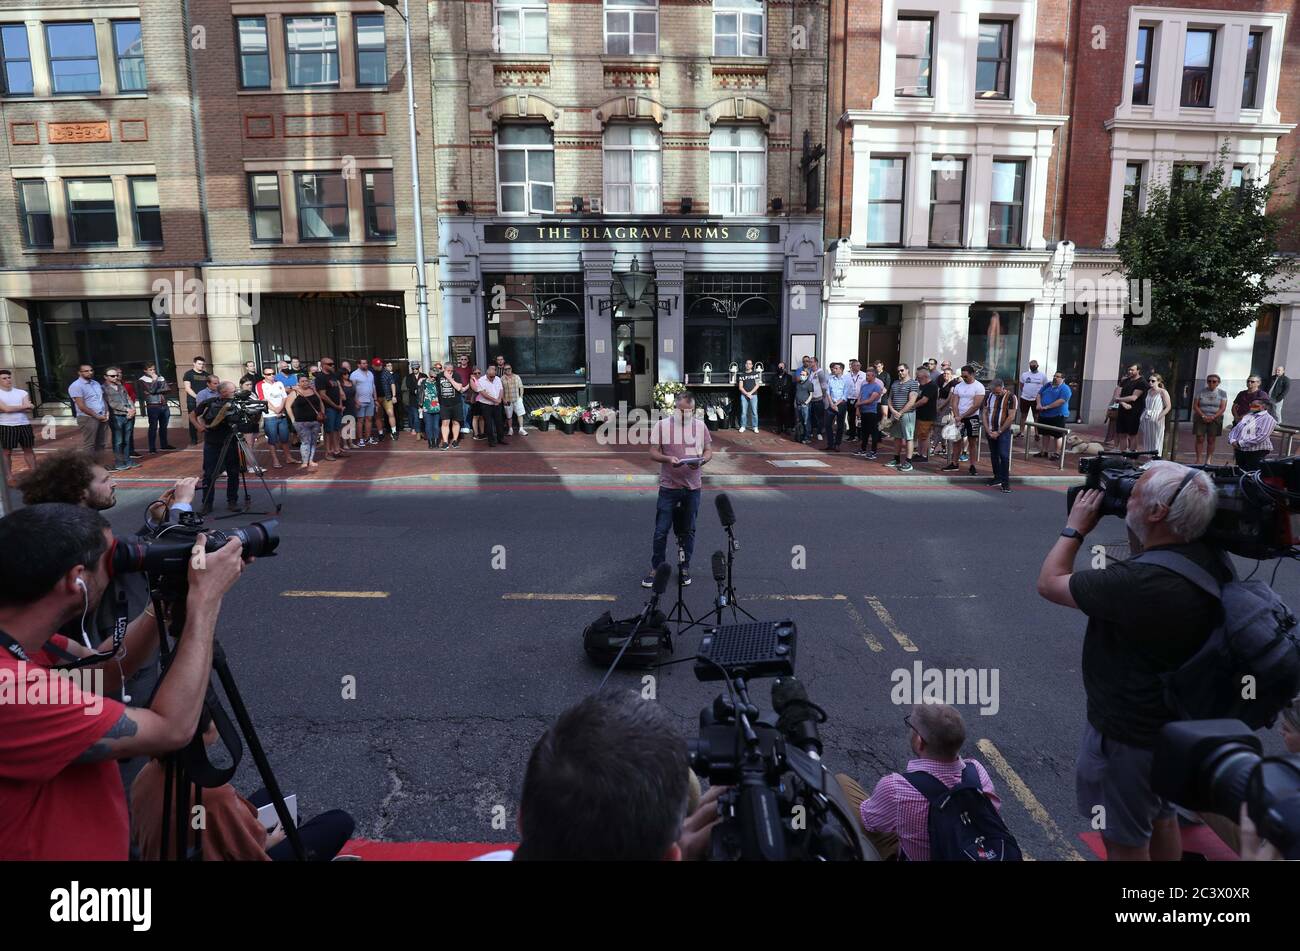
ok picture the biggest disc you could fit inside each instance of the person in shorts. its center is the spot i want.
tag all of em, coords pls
(968, 395)
(927, 403)
(1207, 418)
(15, 424)
(271, 391)
(1132, 397)
(903, 394)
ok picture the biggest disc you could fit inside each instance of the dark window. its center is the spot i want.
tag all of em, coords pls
(372, 55)
(885, 212)
(377, 194)
(1184, 173)
(34, 206)
(74, 58)
(313, 51)
(92, 212)
(1198, 68)
(146, 211)
(1007, 205)
(17, 60)
(993, 342)
(947, 202)
(254, 57)
(1238, 176)
(1142, 67)
(1265, 347)
(536, 322)
(913, 57)
(1132, 189)
(128, 47)
(264, 207)
(731, 318)
(993, 61)
(1250, 83)
(322, 207)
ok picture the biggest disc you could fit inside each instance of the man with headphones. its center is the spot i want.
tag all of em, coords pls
(61, 796)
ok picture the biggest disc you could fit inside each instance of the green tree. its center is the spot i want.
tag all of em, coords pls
(1207, 257)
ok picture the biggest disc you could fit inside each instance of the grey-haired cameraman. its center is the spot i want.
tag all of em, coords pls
(1144, 621)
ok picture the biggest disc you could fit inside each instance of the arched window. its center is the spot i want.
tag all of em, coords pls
(632, 169)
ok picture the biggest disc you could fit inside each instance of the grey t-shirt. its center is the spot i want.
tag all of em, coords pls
(1209, 401)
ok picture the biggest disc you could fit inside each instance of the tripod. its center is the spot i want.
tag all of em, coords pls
(247, 462)
(680, 611)
(729, 591)
(178, 776)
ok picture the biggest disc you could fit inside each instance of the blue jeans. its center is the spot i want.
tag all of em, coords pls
(1000, 457)
(413, 418)
(432, 427)
(121, 427)
(277, 430)
(159, 418)
(749, 410)
(668, 500)
(468, 412)
(803, 431)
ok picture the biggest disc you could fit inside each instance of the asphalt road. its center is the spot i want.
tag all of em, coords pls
(460, 667)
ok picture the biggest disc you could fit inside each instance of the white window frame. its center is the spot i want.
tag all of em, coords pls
(738, 186)
(630, 8)
(613, 206)
(504, 9)
(528, 182)
(740, 9)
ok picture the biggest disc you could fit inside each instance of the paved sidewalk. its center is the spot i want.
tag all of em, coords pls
(748, 458)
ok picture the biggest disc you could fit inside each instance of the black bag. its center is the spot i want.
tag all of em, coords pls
(963, 824)
(1248, 669)
(605, 637)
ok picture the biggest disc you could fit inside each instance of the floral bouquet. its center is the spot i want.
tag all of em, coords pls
(543, 412)
(568, 414)
(665, 394)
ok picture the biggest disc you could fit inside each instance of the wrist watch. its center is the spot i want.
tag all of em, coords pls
(1071, 532)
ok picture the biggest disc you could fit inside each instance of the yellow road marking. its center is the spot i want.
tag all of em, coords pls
(1027, 799)
(552, 596)
(794, 597)
(887, 619)
(333, 594)
(856, 616)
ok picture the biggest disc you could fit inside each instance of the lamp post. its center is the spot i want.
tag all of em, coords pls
(634, 283)
(421, 289)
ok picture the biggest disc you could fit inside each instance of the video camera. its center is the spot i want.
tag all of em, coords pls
(164, 555)
(1257, 511)
(784, 804)
(243, 411)
(1215, 766)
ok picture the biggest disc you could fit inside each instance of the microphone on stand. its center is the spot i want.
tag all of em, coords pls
(720, 576)
(726, 514)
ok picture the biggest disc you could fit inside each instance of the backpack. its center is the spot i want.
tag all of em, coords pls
(605, 637)
(963, 823)
(1254, 636)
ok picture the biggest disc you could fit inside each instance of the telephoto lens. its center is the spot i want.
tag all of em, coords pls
(171, 557)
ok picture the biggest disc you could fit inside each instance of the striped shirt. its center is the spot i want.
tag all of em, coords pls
(898, 806)
(1253, 433)
(901, 390)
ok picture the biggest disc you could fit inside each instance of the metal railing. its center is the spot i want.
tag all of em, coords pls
(1062, 431)
(1288, 434)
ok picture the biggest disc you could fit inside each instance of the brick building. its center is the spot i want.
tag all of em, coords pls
(212, 177)
(576, 140)
(980, 156)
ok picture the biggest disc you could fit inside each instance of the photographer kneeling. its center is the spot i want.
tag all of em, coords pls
(1144, 621)
(60, 793)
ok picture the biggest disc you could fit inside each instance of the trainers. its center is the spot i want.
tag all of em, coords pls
(964, 457)
(648, 581)
(871, 456)
(522, 431)
(685, 574)
(1006, 488)
(742, 429)
(951, 467)
(905, 467)
(892, 464)
(992, 482)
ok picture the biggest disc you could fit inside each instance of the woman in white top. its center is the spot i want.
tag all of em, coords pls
(15, 424)
(1158, 405)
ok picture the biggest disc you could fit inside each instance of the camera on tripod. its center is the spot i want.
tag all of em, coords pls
(164, 554)
(783, 804)
(245, 412)
(1256, 513)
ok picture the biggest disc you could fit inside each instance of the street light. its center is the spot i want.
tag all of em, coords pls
(634, 283)
(421, 289)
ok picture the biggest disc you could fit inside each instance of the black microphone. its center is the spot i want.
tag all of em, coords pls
(662, 574)
(726, 514)
(719, 567)
(797, 716)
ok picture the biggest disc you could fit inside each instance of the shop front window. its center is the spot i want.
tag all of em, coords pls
(731, 318)
(536, 322)
(102, 333)
(993, 343)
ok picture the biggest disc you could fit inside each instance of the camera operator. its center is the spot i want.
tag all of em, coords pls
(611, 781)
(75, 479)
(1143, 621)
(220, 451)
(60, 793)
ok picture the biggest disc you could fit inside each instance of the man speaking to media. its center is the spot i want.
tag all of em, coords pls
(680, 443)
